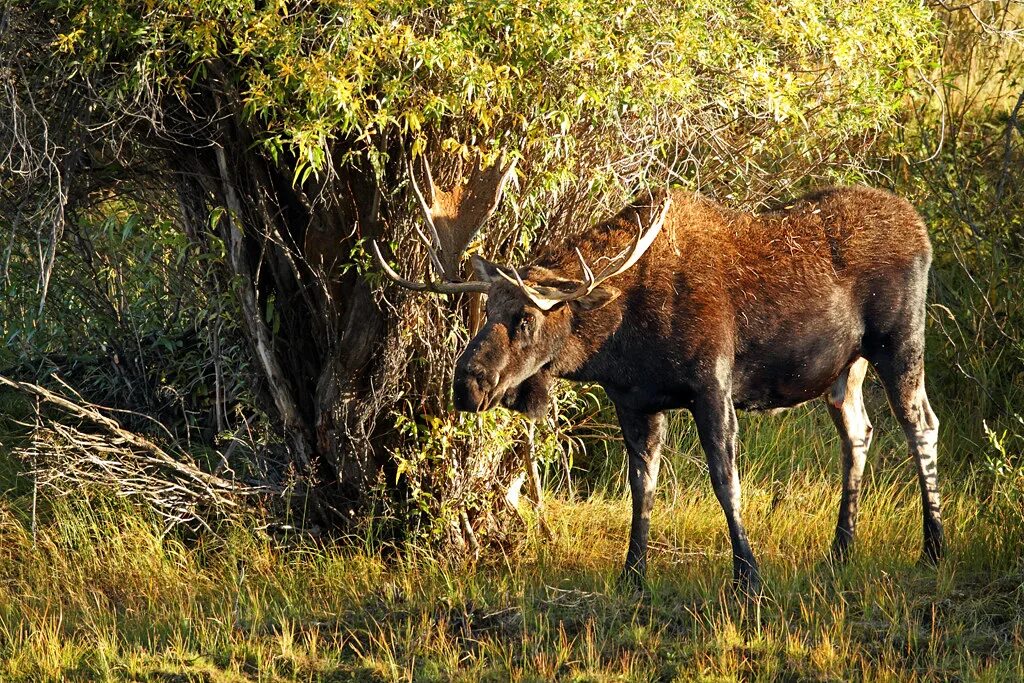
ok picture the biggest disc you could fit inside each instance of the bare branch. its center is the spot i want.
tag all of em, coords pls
(66, 458)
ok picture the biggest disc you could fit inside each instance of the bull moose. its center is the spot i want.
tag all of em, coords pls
(678, 302)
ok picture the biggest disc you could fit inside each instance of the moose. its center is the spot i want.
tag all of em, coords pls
(678, 302)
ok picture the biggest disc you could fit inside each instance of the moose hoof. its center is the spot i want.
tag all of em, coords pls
(748, 585)
(930, 557)
(839, 556)
(750, 590)
(842, 547)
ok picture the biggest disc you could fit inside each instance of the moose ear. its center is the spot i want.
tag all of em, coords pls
(604, 294)
(484, 269)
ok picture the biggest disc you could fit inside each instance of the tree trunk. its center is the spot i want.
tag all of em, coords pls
(312, 328)
(338, 363)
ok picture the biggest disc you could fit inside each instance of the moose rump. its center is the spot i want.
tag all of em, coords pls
(827, 280)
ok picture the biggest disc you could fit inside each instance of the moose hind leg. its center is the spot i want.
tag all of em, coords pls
(643, 435)
(845, 403)
(903, 377)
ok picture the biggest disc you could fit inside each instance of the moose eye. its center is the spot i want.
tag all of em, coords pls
(525, 325)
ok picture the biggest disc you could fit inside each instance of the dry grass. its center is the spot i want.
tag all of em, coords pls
(100, 595)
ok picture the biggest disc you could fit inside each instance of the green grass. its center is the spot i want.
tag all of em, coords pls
(100, 594)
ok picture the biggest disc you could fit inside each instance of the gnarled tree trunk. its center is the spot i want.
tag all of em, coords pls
(339, 362)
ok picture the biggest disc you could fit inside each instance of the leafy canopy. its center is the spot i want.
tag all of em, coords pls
(550, 78)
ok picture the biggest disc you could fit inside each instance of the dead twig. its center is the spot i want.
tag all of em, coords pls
(64, 458)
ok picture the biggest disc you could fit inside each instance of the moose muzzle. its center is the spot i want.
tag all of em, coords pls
(478, 372)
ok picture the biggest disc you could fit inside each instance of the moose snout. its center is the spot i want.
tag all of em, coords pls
(472, 388)
(480, 370)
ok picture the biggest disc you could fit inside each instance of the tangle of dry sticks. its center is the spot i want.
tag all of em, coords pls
(65, 458)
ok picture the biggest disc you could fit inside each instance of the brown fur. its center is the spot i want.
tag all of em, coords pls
(726, 309)
(734, 272)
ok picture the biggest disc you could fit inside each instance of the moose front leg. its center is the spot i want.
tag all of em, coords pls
(715, 417)
(642, 434)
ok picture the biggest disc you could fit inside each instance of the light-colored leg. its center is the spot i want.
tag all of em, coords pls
(904, 384)
(846, 407)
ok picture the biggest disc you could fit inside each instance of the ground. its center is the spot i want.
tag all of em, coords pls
(94, 591)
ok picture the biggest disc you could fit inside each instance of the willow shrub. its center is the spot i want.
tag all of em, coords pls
(551, 80)
(305, 109)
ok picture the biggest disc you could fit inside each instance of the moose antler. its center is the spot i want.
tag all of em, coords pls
(545, 297)
(452, 219)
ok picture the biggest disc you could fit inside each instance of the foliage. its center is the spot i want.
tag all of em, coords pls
(281, 127)
(963, 146)
(548, 79)
(1004, 463)
(137, 318)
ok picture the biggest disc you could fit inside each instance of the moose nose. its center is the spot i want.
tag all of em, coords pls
(471, 389)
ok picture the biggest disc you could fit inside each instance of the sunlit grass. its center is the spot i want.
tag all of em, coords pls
(100, 594)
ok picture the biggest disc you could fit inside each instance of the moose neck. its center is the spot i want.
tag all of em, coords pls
(589, 335)
(585, 340)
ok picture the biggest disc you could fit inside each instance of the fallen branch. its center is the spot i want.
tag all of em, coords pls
(65, 458)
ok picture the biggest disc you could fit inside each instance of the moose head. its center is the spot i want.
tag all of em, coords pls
(531, 312)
